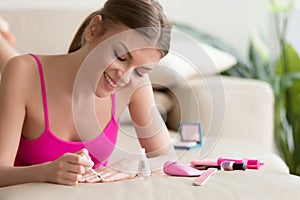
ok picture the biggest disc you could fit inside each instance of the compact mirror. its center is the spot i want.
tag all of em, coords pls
(190, 135)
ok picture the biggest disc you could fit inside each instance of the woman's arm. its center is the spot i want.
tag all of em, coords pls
(151, 130)
(12, 115)
(12, 109)
(14, 87)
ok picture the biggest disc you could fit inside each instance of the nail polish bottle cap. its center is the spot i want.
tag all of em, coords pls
(142, 150)
(239, 166)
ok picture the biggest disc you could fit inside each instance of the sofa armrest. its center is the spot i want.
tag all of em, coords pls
(227, 107)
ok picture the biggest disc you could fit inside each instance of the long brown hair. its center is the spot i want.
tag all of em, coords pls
(135, 14)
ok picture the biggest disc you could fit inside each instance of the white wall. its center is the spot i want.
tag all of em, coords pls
(293, 32)
(231, 20)
(17, 4)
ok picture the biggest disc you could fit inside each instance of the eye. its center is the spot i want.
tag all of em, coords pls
(118, 57)
(141, 71)
(138, 73)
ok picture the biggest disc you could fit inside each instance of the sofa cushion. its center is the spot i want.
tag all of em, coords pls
(179, 66)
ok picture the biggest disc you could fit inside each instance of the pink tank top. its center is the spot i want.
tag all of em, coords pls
(48, 147)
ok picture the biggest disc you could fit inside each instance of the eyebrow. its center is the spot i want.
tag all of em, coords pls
(127, 50)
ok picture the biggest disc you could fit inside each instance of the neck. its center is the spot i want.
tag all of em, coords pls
(75, 58)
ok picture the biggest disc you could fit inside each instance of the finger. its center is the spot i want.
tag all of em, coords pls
(84, 152)
(73, 177)
(85, 177)
(90, 177)
(119, 176)
(68, 182)
(81, 151)
(79, 160)
(74, 168)
(69, 178)
(99, 169)
(93, 179)
(107, 173)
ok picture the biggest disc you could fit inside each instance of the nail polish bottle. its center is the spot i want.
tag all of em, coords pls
(144, 171)
(230, 166)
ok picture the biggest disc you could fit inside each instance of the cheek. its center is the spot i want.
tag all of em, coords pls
(117, 65)
(101, 84)
(112, 64)
(125, 78)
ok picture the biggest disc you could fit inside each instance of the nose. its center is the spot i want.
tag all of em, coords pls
(125, 77)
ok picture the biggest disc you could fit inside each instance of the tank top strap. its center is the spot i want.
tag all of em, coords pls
(113, 109)
(43, 89)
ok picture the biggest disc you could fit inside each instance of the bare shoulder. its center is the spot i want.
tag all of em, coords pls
(17, 73)
(19, 64)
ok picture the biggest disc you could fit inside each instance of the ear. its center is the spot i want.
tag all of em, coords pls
(93, 30)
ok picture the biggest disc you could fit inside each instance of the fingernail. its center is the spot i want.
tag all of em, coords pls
(92, 163)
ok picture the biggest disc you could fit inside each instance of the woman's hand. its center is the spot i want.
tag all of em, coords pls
(107, 174)
(69, 168)
(121, 170)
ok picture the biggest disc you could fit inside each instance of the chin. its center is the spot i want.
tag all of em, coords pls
(104, 89)
(103, 94)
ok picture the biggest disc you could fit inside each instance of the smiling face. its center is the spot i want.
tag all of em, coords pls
(129, 55)
(132, 65)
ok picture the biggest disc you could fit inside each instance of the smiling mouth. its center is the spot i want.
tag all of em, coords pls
(109, 80)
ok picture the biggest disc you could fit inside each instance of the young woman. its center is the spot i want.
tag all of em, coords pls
(40, 139)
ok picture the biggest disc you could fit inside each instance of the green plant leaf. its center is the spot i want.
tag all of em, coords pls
(297, 137)
(281, 134)
(260, 45)
(293, 60)
(288, 81)
(257, 63)
(288, 68)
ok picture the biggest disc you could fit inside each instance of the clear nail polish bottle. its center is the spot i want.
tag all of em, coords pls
(144, 171)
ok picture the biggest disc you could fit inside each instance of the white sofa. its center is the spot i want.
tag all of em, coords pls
(237, 119)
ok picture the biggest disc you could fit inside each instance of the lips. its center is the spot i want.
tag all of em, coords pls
(109, 80)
